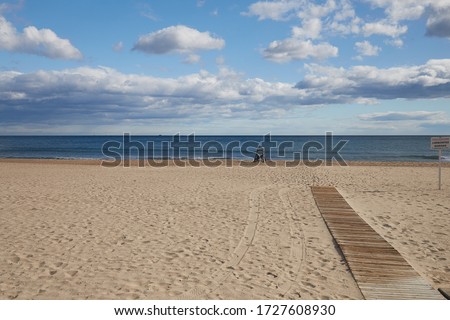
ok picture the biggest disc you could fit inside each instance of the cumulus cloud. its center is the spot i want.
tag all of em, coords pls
(339, 16)
(335, 15)
(398, 10)
(403, 116)
(300, 45)
(109, 96)
(331, 16)
(318, 20)
(274, 10)
(436, 12)
(431, 80)
(296, 49)
(384, 28)
(311, 29)
(365, 48)
(178, 39)
(42, 42)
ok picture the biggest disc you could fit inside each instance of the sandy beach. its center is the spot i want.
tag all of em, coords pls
(76, 230)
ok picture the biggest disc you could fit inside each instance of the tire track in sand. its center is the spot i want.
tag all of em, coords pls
(298, 250)
(278, 249)
(239, 252)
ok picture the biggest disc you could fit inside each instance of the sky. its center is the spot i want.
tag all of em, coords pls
(232, 67)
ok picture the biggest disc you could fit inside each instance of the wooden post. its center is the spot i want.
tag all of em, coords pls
(440, 143)
(440, 156)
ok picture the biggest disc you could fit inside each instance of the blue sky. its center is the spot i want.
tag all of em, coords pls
(225, 67)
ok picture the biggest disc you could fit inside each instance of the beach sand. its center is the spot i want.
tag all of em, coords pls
(76, 230)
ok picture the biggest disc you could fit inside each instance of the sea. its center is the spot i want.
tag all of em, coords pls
(349, 148)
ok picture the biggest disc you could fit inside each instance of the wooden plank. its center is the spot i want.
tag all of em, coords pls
(445, 292)
(378, 268)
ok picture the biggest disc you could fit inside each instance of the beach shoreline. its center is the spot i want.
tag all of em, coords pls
(223, 162)
(71, 229)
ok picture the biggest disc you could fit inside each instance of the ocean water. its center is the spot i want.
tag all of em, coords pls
(357, 148)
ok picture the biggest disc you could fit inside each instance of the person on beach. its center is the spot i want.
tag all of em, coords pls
(259, 154)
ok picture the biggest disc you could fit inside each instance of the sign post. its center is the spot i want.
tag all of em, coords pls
(440, 143)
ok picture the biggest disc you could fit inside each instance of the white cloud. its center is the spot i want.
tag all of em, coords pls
(300, 45)
(42, 42)
(318, 21)
(365, 48)
(345, 20)
(436, 12)
(398, 10)
(431, 80)
(395, 42)
(296, 49)
(107, 95)
(83, 94)
(274, 10)
(179, 39)
(335, 16)
(384, 28)
(338, 17)
(311, 29)
(310, 9)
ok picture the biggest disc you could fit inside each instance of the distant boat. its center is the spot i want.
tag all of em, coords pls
(446, 159)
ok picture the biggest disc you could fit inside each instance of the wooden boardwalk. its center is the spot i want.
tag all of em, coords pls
(379, 270)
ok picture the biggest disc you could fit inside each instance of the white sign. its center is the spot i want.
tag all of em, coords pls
(440, 143)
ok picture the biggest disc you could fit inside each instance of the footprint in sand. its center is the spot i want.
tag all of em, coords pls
(71, 273)
(13, 259)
